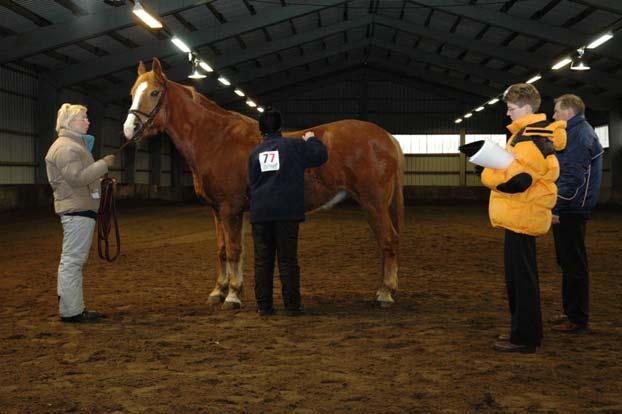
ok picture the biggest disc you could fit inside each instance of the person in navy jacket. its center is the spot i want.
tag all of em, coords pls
(578, 186)
(276, 192)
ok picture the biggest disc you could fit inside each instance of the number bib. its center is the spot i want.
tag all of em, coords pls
(269, 161)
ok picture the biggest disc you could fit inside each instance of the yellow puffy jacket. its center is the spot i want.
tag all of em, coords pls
(524, 193)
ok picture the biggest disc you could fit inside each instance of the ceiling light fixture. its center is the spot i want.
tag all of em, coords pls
(579, 63)
(238, 92)
(470, 114)
(196, 74)
(493, 101)
(205, 66)
(563, 62)
(145, 16)
(534, 79)
(180, 44)
(457, 121)
(224, 81)
(479, 109)
(260, 109)
(251, 103)
(602, 39)
(195, 71)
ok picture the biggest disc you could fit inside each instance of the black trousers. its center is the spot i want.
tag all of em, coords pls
(572, 258)
(277, 239)
(522, 284)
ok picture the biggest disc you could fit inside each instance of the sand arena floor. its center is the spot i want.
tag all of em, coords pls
(162, 349)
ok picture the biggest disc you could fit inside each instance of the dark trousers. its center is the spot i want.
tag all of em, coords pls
(277, 239)
(521, 281)
(572, 258)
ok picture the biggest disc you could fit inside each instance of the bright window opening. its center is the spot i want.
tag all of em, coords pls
(498, 139)
(429, 144)
(603, 135)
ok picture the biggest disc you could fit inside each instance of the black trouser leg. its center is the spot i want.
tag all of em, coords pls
(572, 258)
(521, 278)
(265, 249)
(287, 253)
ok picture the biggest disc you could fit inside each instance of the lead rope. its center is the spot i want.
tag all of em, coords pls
(107, 214)
(106, 218)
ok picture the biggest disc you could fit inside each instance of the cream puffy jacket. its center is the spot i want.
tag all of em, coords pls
(524, 193)
(73, 174)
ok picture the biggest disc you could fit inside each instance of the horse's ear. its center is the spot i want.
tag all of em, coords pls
(141, 68)
(156, 68)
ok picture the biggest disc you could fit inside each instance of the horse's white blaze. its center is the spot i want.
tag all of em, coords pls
(128, 126)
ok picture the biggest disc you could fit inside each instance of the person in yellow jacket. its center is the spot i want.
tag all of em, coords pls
(522, 197)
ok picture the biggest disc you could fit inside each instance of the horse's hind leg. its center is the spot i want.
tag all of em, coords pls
(222, 282)
(388, 241)
(232, 229)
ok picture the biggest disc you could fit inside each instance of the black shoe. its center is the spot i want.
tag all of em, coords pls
(266, 312)
(87, 316)
(570, 327)
(507, 346)
(295, 312)
(561, 318)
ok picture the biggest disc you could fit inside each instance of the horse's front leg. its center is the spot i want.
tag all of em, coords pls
(222, 282)
(232, 225)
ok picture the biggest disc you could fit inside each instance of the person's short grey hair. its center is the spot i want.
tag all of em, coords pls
(66, 113)
(571, 101)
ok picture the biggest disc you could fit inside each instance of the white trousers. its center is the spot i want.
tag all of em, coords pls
(77, 239)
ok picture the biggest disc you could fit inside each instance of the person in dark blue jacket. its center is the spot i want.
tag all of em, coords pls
(276, 192)
(581, 165)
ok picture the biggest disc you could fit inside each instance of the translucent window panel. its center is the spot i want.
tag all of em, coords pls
(603, 135)
(498, 139)
(429, 144)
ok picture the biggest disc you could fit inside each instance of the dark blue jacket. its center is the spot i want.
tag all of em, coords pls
(277, 192)
(581, 169)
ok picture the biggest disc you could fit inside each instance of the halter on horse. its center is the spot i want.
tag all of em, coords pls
(364, 160)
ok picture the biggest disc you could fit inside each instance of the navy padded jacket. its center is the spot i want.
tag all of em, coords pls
(581, 169)
(278, 195)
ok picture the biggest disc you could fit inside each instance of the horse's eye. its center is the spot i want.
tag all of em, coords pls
(155, 92)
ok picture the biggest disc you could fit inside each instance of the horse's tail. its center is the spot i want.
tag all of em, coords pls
(397, 201)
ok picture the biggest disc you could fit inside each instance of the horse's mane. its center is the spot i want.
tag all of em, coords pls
(212, 106)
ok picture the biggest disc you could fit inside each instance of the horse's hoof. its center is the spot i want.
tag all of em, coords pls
(215, 299)
(384, 304)
(230, 305)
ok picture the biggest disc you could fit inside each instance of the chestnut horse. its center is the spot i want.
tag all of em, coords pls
(365, 161)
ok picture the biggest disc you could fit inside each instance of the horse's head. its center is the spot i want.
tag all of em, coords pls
(147, 113)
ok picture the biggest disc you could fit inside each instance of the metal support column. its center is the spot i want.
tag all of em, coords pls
(177, 173)
(97, 114)
(155, 155)
(463, 160)
(47, 108)
(129, 164)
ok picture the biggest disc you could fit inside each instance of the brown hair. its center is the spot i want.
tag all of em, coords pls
(523, 94)
(571, 101)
